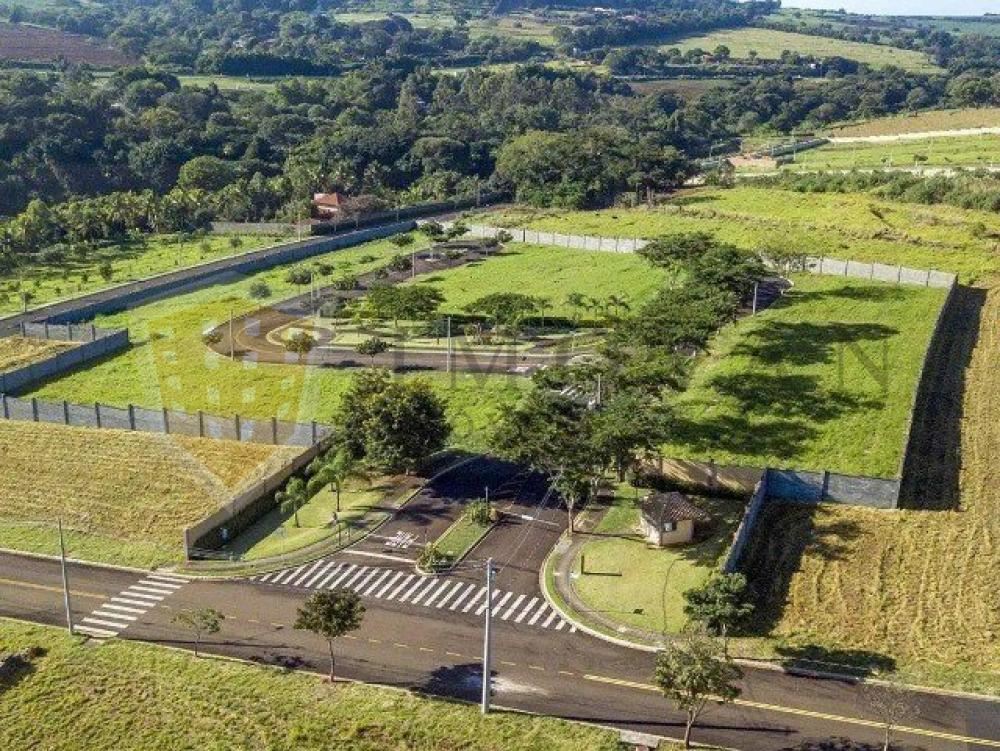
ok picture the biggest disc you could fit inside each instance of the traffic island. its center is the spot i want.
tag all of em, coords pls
(458, 540)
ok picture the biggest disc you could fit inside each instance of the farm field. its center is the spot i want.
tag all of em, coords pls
(69, 277)
(769, 45)
(16, 351)
(549, 273)
(132, 696)
(858, 226)
(824, 379)
(632, 583)
(233, 83)
(922, 122)
(26, 43)
(965, 151)
(129, 501)
(169, 365)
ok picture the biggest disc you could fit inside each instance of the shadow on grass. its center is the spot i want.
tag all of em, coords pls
(806, 343)
(782, 536)
(17, 667)
(933, 456)
(862, 662)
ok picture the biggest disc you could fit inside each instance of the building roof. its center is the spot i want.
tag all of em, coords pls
(671, 507)
(332, 200)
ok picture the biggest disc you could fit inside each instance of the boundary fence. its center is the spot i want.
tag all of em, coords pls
(167, 421)
(94, 344)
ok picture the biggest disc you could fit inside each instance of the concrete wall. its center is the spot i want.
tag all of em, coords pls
(171, 422)
(801, 486)
(747, 525)
(709, 475)
(102, 344)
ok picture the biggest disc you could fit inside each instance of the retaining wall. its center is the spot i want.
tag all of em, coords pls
(747, 525)
(95, 344)
(170, 422)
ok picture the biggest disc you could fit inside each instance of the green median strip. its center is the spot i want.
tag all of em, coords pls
(456, 542)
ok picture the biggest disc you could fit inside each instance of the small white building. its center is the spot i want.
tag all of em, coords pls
(669, 519)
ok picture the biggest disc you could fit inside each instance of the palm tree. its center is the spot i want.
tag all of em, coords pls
(293, 497)
(618, 303)
(333, 470)
(577, 301)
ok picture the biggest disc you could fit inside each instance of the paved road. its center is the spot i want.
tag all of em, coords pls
(556, 672)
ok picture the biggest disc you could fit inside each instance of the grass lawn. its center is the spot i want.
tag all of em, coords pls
(124, 497)
(234, 83)
(922, 122)
(965, 151)
(822, 380)
(551, 273)
(126, 695)
(362, 503)
(644, 586)
(769, 45)
(459, 538)
(857, 226)
(17, 351)
(168, 365)
(130, 261)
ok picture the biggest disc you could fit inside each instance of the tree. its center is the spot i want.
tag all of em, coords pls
(293, 497)
(719, 605)
(630, 421)
(203, 622)
(333, 469)
(892, 704)
(505, 308)
(402, 241)
(300, 343)
(692, 672)
(371, 347)
(331, 615)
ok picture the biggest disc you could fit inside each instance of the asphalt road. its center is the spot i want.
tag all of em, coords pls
(425, 633)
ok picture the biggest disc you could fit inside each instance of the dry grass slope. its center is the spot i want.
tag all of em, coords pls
(16, 351)
(138, 489)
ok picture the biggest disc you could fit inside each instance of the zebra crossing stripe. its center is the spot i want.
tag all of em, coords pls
(99, 622)
(527, 609)
(319, 574)
(388, 584)
(354, 577)
(482, 608)
(361, 584)
(468, 590)
(561, 624)
(538, 613)
(100, 633)
(306, 573)
(444, 600)
(512, 608)
(110, 606)
(421, 583)
(552, 617)
(158, 584)
(145, 603)
(470, 603)
(433, 586)
(397, 590)
(156, 594)
(105, 614)
(341, 575)
(376, 583)
(327, 578)
(169, 578)
(287, 575)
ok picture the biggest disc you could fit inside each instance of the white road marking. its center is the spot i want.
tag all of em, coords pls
(132, 593)
(357, 575)
(562, 623)
(388, 584)
(470, 603)
(342, 574)
(496, 593)
(377, 582)
(320, 574)
(538, 613)
(383, 556)
(109, 606)
(397, 590)
(451, 593)
(267, 577)
(100, 622)
(160, 585)
(527, 609)
(329, 577)
(468, 590)
(412, 591)
(432, 587)
(361, 584)
(512, 608)
(105, 614)
(146, 605)
(159, 593)
(100, 633)
(169, 578)
(552, 617)
(288, 575)
(307, 573)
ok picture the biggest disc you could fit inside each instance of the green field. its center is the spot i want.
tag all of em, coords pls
(69, 277)
(856, 226)
(630, 582)
(964, 151)
(823, 380)
(550, 273)
(922, 122)
(770, 44)
(233, 83)
(124, 497)
(168, 365)
(126, 696)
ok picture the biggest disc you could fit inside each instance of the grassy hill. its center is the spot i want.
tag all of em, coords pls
(922, 122)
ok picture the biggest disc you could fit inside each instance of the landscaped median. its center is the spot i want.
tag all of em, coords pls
(460, 538)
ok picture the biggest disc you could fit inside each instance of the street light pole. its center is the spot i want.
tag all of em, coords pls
(232, 345)
(487, 638)
(448, 358)
(65, 579)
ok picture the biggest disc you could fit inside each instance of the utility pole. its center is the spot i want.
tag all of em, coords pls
(65, 578)
(755, 285)
(487, 638)
(598, 401)
(448, 351)
(232, 345)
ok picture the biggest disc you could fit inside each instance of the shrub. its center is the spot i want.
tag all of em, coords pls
(480, 512)
(259, 290)
(298, 275)
(345, 283)
(300, 343)
(433, 559)
(211, 338)
(401, 263)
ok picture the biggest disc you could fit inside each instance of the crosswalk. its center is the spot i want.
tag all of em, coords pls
(121, 611)
(445, 594)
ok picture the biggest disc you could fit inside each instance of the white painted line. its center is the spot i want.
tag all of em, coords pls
(99, 622)
(105, 614)
(343, 574)
(327, 578)
(306, 574)
(572, 629)
(160, 585)
(287, 574)
(159, 593)
(468, 590)
(513, 607)
(538, 613)
(362, 570)
(433, 586)
(475, 597)
(319, 574)
(552, 617)
(375, 584)
(421, 584)
(361, 584)
(100, 633)
(561, 624)
(482, 608)
(267, 577)
(109, 606)
(142, 595)
(169, 578)
(146, 605)
(383, 556)
(388, 584)
(527, 609)
(444, 600)
(397, 590)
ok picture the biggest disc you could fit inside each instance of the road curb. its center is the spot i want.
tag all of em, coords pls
(82, 562)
